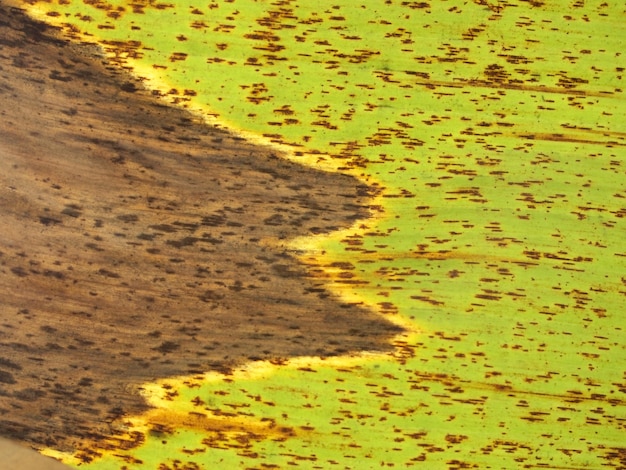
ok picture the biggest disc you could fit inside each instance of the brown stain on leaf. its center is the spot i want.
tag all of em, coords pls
(131, 245)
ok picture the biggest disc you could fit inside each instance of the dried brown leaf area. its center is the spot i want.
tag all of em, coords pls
(132, 245)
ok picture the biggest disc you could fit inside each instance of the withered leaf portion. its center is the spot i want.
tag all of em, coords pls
(131, 244)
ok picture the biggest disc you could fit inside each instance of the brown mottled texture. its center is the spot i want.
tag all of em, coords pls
(131, 245)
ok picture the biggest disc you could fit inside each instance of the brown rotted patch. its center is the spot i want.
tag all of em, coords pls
(131, 244)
